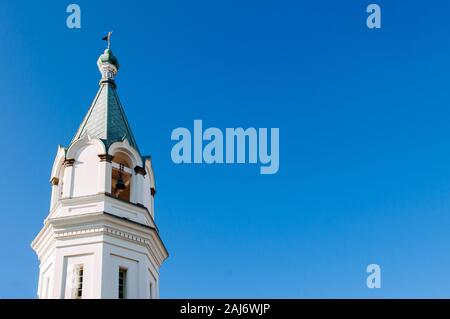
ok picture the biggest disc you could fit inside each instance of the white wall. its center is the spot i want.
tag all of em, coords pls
(46, 277)
(69, 253)
(140, 271)
(69, 281)
(101, 258)
(147, 195)
(85, 172)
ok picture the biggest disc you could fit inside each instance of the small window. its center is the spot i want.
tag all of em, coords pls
(122, 283)
(79, 274)
(151, 289)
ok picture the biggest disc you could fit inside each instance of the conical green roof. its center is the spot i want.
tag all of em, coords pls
(106, 118)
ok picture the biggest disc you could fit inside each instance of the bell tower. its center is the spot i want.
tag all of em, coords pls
(100, 239)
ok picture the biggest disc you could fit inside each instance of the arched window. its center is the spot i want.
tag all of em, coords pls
(121, 176)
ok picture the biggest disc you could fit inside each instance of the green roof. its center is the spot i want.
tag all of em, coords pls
(106, 118)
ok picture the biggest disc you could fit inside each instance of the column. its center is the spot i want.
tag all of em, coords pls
(105, 173)
(54, 197)
(139, 185)
(68, 178)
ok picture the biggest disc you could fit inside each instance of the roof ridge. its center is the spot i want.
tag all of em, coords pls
(87, 115)
(131, 138)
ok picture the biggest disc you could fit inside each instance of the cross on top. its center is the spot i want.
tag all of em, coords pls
(108, 38)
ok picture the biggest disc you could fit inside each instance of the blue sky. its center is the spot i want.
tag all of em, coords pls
(364, 138)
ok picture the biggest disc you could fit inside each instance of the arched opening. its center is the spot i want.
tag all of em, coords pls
(121, 176)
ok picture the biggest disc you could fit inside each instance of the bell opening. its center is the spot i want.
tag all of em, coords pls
(120, 184)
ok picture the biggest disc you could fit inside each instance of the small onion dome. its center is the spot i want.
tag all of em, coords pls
(108, 57)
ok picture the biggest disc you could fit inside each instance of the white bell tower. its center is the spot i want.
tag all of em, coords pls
(100, 239)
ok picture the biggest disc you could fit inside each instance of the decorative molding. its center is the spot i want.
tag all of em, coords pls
(140, 170)
(45, 249)
(157, 252)
(106, 158)
(91, 225)
(65, 202)
(54, 181)
(153, 191)
(103, 229)
(81, 207)
(69, 162)
(108, 81)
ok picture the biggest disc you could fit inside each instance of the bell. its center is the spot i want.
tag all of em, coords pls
(120, 184)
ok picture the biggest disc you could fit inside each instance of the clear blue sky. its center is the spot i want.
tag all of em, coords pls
(364, 138)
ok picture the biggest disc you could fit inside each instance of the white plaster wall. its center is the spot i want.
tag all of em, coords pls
(86, 251)
(68, 280)
(132, 275)
(46, 279)
(119, 253)
(146, 194)
(85, 172)
(100, 203)
(153, 283)
(101, 256)
(121, 209)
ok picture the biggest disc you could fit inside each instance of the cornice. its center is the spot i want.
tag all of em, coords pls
(69, 162)
(140, 170)
(68, 201)
(87, 225)
(106, 158)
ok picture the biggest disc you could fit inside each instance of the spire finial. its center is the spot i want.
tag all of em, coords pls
(108, 38)
(108, 63)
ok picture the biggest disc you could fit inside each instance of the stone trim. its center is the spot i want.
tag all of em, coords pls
(108, 81)
(100, 229)
(153, 249)
(140, 170)
(69, 162)
(106, 158)
(54, 181)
